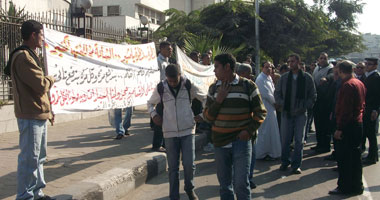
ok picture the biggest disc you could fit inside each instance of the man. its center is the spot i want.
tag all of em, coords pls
(359, 71)
(32, 110)
(122, 126)
(194, 55)
(178, 126)
(235, 109)
(166, 52)
(295, 94)
(244, 70)
(206, 59)
(268, 145)
(349, 114)
(321, 113)
(371, 112)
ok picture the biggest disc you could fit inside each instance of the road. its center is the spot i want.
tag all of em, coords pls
(317, 178)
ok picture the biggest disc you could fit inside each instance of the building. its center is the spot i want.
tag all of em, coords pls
(372, 43)
(36, 6)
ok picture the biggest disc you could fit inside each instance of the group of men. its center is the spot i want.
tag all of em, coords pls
(233, 106)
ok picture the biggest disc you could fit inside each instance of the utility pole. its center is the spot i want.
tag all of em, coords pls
(257, 60)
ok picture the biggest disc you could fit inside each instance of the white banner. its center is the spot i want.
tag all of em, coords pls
(92, 75)
(201, 75)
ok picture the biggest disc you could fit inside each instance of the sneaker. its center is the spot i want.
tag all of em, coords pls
(252, 185)
(127, 133)
(209, 147)
(191, 194)
(296, 171)
(119, 137)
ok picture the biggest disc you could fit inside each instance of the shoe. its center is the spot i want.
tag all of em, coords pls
(252, 185)
(269, 158)
(119, 137)
(127, 133)
(336, 191)
(283, 167)
(296, 171)
(160, 149)
(46, 197)
(315, 147)
(191, 194)
(368, 161)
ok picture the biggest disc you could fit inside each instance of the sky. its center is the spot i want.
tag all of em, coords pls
(369, 19)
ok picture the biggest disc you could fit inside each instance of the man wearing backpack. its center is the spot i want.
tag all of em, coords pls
(178, 125)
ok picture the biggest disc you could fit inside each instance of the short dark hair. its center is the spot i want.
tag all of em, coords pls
(296, 56)
(204, 55)
(346, 66)
(225, 58)
(172, 71)
(194, 53)
(284, 67)
(29, 27)
(164, 44)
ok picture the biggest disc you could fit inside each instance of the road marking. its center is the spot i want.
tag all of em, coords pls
(366, 192)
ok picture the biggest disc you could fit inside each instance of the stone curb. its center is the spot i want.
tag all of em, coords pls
(119, 181)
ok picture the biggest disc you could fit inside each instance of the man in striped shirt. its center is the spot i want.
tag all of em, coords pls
(235, 109)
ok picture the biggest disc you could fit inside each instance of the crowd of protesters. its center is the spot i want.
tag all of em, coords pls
(246, 117)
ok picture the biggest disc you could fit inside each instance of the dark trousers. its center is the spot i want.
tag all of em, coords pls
(369, 130)
(322, 122)
(349, 159)
(309, 121)
(158, 137)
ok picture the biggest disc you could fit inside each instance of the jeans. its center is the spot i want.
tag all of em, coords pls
(174, 146)
(253, 161)
(233, 167)
(292, 126)
(123, 126)
(30, 173)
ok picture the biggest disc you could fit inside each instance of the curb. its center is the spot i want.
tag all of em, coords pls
(118, 182)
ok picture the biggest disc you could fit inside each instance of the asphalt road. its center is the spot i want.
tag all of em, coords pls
(317, 178)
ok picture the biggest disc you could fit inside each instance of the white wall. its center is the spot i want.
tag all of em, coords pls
(37, 5)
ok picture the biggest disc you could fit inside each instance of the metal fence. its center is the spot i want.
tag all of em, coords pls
(10, 36)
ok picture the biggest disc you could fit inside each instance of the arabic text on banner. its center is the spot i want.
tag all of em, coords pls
(92, 75)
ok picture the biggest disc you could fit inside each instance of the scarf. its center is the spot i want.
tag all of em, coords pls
(7, 69)
(300, 89)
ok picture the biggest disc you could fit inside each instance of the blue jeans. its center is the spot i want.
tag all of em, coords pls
(174, 146)
(123, 126)
(30, 172)
(292, 126)
(233, 168)
(253, 161)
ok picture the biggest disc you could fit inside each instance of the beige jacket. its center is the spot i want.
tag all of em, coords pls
(30, 88)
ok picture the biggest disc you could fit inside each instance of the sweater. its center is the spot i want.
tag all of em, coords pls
(242, 109)
(350, 103)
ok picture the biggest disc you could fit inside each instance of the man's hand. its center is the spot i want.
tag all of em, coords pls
(244, 135)
(223, 92)
(52, 119)
(338, 135)
(374, 115)
(323, 81)
(198, 119)
(157, 120)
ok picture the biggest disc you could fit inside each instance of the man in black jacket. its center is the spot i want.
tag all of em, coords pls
(371, 112)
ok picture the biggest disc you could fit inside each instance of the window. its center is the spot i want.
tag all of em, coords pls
(97, 11)
(113, 10)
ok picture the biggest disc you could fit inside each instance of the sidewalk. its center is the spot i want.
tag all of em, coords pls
(85, 162)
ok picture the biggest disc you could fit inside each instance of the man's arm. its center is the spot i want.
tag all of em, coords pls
(152, 102)
(311, 93)
(31, 74)
(212, 107)
(278, 93)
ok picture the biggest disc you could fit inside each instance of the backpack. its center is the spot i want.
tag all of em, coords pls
(195, 106)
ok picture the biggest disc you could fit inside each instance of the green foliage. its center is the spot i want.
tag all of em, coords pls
(286, 26)
(13, 14)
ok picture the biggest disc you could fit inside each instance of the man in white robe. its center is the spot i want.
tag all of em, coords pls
(268, 145)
